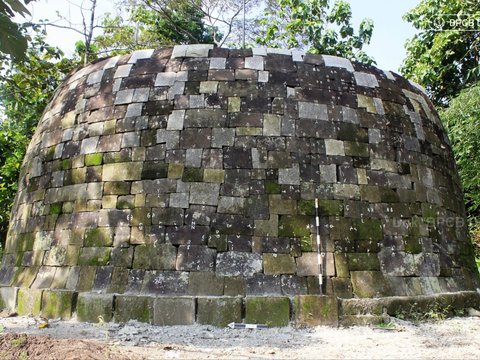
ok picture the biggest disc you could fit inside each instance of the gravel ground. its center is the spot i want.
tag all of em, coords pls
(455, 338)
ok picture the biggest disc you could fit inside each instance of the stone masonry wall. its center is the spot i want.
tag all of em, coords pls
(193, 171)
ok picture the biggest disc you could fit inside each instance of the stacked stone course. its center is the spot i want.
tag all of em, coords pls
(169, 175)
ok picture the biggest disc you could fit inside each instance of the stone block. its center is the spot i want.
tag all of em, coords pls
(99, 237)
(294, 285)
(204, 193)
(165, 283)
(312, 111)
(138, 308)
(187, 235)
(159, 257)
(312, 310)
(94, 308)
(271, 311)
(206, 284)
(122, 171)
(334, 147)
(195, 258)
(261, 284)
(219, 311)
(234, 286)
(235, 263)
(168, 311)
(289, 176)
(277, 264)
(369, 284)
(58, 304)
(295, 226)
(363, 261)
(8, 298)
(29, 301)
(94, 256)
(307, 264)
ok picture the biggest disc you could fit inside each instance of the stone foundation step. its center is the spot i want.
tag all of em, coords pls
(409, 306)
(273, 311)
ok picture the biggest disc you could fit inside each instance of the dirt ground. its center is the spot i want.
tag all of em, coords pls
(20, 338)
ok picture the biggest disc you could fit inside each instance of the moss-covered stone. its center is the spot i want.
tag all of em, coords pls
(219, 311)
(294, 226)
(126, 202)
(363, 261)
(94, 256)
(93, 159)
(29, 301)
(58, 304)
(272, 187)
(175, 171)
(66, 164)
(55, 208)
(93, 307)
(368, 229)
(138, 308)
(192, 175)
(306, 207)
(271, 311)
(173, 311)
(214, 175)
(86, 278)
(312, 310)
(412, 244)
(330, 207)
(99, 237)
(160, 257)
(277, 264)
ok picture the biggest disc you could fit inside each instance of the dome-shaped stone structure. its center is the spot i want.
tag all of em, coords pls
(179, 185)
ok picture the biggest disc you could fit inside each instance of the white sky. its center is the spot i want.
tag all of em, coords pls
(387, 45)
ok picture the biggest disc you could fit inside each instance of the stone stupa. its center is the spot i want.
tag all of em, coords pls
(177, 185)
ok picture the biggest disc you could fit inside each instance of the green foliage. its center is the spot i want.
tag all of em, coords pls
(462, 121)
(25, 89)
(443, 56)
(12, 41)
(178, 22)
(316, 26)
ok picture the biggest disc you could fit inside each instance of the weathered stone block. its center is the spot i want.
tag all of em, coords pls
(276, 264)
(206, 284)
(369, 284)
(158, 257)
(8, 298)
(99, 237)
(235, 263)
(271, 311)
(58, 304)
(29, 301)
(94, 307)
(219, 311)
(138, 308)
(312, 310)
(195, 258)
(122, 171)
(169, 311)
(94, 256)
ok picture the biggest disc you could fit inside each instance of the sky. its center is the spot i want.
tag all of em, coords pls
(387, 46)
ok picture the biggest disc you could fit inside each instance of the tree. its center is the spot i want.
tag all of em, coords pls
(12, 41)
(25, 89)
(462, 122)
(148, 27)
(444, 56)
(315, 26)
